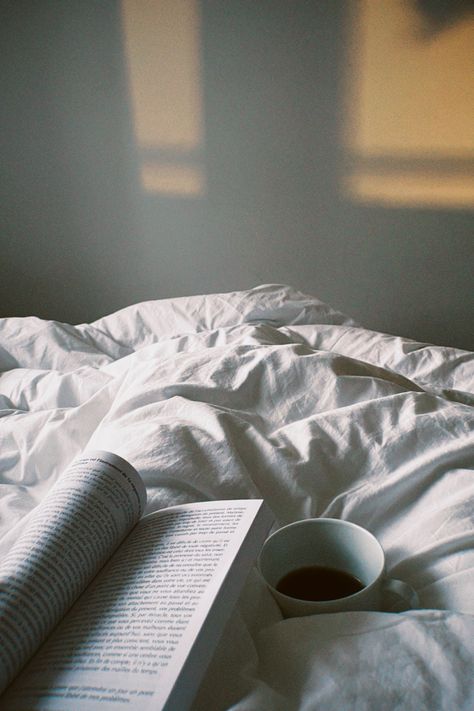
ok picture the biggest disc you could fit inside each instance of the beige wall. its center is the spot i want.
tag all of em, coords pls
(82, 234)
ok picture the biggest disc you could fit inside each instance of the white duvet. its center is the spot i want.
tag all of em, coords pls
(271, 393)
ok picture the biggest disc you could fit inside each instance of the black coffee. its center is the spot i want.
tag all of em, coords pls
(317, 582)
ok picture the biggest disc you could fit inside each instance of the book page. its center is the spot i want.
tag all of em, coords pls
(142, 634)
(70, 536)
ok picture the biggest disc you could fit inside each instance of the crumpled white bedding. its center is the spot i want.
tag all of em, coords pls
(272, 393)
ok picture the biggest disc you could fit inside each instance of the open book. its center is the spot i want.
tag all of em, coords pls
(111, 610)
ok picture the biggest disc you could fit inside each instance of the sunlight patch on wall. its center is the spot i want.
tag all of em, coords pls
(162, 43)
(409, 131)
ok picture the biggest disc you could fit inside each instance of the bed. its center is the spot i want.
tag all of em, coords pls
(272, 393)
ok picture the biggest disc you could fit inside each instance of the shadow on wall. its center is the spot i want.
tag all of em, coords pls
(325, 144)
(410, 56)
(174, 148)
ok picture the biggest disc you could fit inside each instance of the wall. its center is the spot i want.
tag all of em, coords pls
(69, 184)
(82, 238)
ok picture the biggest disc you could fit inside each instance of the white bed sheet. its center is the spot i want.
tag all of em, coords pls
(272, 393)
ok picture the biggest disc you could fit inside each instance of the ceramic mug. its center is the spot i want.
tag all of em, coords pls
(330, 543)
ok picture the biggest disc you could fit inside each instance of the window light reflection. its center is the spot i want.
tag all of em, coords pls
(409, 132)
(162, 43)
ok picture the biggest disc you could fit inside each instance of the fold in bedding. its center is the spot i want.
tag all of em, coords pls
(271, 393)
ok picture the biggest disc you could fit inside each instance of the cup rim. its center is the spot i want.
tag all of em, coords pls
(329, 521)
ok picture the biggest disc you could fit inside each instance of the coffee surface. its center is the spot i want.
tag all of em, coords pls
(318, 583)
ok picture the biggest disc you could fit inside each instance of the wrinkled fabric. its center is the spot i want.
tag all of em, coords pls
(272, 393)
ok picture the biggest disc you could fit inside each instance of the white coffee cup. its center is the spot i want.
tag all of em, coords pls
(337, 544)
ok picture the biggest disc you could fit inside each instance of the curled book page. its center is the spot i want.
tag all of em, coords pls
(71, 535)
